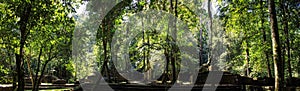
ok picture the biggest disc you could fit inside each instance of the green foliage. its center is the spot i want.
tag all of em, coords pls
(47, 27)
(242, 20)
(118, 15)
(4, 72)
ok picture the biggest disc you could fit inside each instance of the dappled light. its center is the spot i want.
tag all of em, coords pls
(151, 45)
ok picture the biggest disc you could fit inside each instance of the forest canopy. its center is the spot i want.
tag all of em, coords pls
(73, 39)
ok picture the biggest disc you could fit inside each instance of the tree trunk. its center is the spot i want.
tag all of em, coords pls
(200, 40)
(265, 40)
(286, 33)
(42, 74)
(210, 56)
(145, 58)
(20, 73)
(35, 83)
(37, 77)
(144, 51)
(278, 67)
(173, 46)
(166, 72)
(247, 59)
(19, 62)
(104, 69)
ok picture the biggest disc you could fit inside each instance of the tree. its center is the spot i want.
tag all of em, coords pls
(115, 17)
(34, 16)
(285, 17)
(265, 37)
(211, 59)
(278, 67)
(242, 21)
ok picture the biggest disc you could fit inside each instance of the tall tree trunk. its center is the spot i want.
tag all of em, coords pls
(265, 39)
(211, 60)
(286, 32)
(278, 67)
(145, 52)
(104, 69)
(174, 35)
(167, 54)
(148, 60)
(19, 62)
(20, 76)
(20, 70)
(200, 40)
(175, 40)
